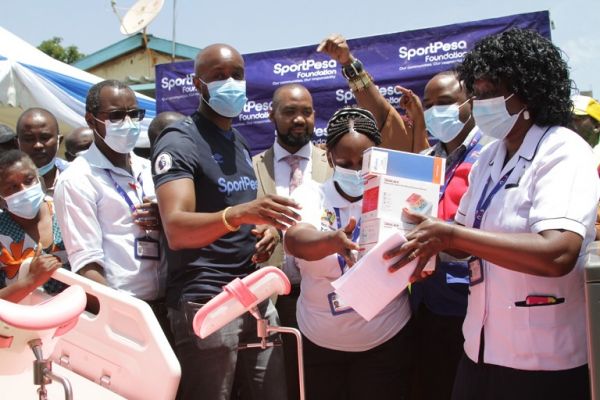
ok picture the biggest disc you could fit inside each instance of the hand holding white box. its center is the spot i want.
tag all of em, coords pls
(368, 286)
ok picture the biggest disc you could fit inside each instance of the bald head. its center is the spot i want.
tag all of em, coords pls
(292, 90)
(35, 115)
(80, 139)
(161, 121)
(217, 56)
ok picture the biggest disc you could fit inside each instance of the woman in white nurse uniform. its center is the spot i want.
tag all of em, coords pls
(528, 217)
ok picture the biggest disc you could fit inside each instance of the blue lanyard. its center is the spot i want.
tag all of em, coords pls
(484, 202)
(355, 234)
(122, 192)
(452, 170)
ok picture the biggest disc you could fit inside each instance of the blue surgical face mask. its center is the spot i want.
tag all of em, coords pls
(26, 203)
(121, 136)
(349, 181)
(492, 117)
(227, 97)
(46, 168)
(443, 122)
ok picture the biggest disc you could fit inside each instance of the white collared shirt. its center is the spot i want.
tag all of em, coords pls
(97, 224)
(347, 331)
(553, 186)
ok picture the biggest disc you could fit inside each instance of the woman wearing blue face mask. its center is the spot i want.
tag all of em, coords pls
(525, 220)
(345, 357)
(26, 222)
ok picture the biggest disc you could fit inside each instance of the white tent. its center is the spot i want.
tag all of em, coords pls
(30, 78)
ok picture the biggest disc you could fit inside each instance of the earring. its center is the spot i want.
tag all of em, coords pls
(526, 115)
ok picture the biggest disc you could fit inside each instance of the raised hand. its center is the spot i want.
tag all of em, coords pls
(337, 48)
(410, 102)
(41, 268)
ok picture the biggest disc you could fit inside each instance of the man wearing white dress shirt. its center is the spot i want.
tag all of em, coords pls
(103, 203)
(280, 169)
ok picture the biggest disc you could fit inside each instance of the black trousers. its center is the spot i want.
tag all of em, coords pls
(492, 382)
(380, 373)
(438, 349)
(159, 308)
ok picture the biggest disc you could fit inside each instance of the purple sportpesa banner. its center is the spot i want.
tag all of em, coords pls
(407, 58)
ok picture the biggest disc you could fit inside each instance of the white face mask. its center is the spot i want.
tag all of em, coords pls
(443, 122)
(492, 117)
(350, 181)
(121, 136)
(26, 203)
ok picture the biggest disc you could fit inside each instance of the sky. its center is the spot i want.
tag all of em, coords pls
(254, 26)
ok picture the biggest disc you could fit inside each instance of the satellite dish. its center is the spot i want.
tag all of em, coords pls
(140, 15)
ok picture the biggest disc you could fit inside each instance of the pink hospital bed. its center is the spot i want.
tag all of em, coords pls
(121, 352)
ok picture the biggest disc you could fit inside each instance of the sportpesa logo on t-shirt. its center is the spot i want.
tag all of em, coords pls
(239, 185)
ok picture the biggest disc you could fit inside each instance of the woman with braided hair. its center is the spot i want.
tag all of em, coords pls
(345, 357)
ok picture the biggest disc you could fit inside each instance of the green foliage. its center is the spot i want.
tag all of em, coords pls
(54, 49)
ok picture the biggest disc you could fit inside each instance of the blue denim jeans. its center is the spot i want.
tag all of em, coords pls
(214, 369)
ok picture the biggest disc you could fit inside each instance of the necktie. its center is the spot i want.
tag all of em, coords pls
(295, 171)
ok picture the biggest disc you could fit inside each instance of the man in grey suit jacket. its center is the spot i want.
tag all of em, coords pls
(293, 115)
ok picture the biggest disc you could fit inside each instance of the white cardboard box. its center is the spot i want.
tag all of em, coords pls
(377, 229)
(385, 197)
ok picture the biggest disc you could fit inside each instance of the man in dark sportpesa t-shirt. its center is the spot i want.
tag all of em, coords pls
(206, 190)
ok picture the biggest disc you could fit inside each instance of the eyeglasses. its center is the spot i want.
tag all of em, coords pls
(137, 114)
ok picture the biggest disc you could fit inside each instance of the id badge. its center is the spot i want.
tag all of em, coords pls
(146, 249)
(336, 305)
(475, 272)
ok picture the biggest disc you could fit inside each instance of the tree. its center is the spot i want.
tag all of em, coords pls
(54, 49)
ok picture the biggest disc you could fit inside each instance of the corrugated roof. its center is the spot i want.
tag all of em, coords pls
(132, 43)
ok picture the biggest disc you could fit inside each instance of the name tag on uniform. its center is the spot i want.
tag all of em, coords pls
(146, 249)
(475, 271)
(336, 305)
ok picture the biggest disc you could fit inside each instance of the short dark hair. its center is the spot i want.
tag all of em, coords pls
(351, 118)
(92, 101)
(530, 65)
(11, 157)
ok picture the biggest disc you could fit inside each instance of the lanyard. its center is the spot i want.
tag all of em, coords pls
(122, 192)
(355, 234)
(484, 202)
(452, 170)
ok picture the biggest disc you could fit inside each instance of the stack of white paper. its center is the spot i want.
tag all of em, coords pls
(368, 286)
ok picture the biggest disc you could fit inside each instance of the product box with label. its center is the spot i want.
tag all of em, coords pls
(385, 196)
(401, 164)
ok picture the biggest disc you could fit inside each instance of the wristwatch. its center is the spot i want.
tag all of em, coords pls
(352, 70)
